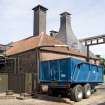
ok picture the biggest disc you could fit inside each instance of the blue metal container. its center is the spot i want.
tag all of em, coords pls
(70, 70)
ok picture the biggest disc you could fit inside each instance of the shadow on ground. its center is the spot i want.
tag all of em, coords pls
(102, 103)
(53, 99)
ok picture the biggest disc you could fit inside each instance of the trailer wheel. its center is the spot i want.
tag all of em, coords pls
(86, 90)
(93, 89)
(76, 93)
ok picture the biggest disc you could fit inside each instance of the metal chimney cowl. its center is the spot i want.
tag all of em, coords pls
(66, 34)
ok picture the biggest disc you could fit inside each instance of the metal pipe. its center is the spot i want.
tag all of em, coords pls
(88, 54)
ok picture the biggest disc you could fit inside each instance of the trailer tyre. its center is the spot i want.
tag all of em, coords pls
(76, 93)
(93, 89)
(87, 91)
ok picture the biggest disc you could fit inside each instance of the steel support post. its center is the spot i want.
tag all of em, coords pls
(87, 53)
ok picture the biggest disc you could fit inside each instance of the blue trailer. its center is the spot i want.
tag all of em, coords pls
(74, 77)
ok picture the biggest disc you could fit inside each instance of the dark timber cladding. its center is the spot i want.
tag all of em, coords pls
(39, 19)
(24, 76)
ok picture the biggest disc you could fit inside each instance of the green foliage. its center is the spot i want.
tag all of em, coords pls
(102, 61)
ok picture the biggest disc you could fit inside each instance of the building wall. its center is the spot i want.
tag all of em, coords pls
(51, 56)
(20, 67)
(3, 82)
(23, 69)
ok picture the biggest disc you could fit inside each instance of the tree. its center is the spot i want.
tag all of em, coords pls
(102, 61)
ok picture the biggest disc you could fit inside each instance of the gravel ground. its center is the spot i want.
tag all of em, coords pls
(96, 99)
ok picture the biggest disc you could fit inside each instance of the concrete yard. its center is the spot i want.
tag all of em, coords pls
(96, 99)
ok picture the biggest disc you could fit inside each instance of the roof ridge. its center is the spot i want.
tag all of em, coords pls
(42, 34)
(56, 40)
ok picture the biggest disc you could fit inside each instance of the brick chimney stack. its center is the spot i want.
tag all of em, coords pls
(39, 20)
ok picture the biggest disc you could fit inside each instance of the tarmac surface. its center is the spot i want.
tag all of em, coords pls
(97, 98)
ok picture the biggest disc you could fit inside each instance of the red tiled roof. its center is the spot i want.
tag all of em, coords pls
(37, 41)
(31, 43)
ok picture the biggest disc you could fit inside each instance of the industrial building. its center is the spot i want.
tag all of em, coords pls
(19, 71)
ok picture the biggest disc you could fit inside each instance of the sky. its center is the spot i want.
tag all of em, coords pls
(88, 18)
